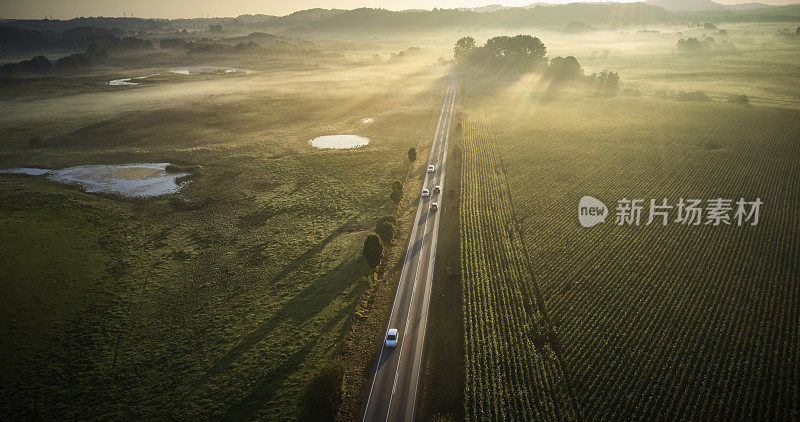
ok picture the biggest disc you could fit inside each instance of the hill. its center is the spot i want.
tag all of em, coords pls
(698, 5)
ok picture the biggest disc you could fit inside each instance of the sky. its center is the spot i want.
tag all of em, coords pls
(65, 9)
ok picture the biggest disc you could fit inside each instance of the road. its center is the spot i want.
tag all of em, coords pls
(393, 390)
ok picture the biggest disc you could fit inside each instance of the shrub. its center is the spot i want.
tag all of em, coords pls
(74, 61)
(412, 154)
(565, 69)
(397, 192)
(373, 250)
(173, 43)
(35, 141)
(606, 83)
(693, 96)
(739, 99)
(385, 229)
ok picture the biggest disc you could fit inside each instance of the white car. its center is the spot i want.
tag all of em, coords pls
(434, 206)
(425, 193)
(431, 168)
(437, 189)
(391, 338)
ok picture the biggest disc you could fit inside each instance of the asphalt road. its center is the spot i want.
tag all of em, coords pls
(393, 390)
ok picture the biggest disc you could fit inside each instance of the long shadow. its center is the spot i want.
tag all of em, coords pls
(313, 251)
(300, 308)
(246, 408)
(268, 385)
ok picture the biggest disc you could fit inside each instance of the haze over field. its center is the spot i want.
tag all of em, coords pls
(226, 217)
(33, 9)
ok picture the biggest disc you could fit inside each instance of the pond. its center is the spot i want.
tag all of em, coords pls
(339, 141)
(198, 70)
(127, 81)
(134, 180)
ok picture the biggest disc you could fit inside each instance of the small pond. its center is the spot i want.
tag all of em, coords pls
(135, 180)
(127, 81)
(339, 141)
(198, 70)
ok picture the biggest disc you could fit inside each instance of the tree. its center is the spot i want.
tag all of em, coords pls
(385, 229)
(565, 69)
(520, 48)
(412, 154)
(693, 96)
(607, 83)
(323, 395)
(373, 250)
(397, 192)
(463, 47)
(739, 99)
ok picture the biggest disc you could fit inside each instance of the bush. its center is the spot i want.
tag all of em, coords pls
(35, 141)
(739, 99)
(606, 83)
(373, 250)
(693, 96)
(412, 154)
(74, 61)
(385, 229)
(691, 46)
(323, 394)
(565, 69)
(173, 43)
(38, 64)
(397, 192)
(180, 168)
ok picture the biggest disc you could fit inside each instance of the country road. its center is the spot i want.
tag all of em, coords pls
(393, 390)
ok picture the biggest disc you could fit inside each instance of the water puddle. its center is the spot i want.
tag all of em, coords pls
(339, 141)
(127, 81)
(135, 180)
(219, 70)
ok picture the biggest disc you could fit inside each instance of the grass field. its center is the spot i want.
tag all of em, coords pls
(219, 301)
(651, 322)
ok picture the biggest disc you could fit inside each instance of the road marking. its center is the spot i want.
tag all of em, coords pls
(437, 136)
(405, 267)
(435, 244)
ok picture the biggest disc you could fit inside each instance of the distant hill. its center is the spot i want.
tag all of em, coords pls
(378, 21)
(485, 9)
(578, 28)
(698, 5)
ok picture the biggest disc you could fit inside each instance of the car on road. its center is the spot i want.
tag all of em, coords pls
(437, 189)
(434, 206)
(431, 168)
(391, 338)
(425, 193)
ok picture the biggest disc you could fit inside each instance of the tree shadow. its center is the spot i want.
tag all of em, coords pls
(269, 384)
(304, 305)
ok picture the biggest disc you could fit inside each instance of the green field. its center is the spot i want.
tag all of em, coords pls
(650, 322)
(219, 301)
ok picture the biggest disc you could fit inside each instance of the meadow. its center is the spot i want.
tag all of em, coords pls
(221, 300)
(649, 321)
